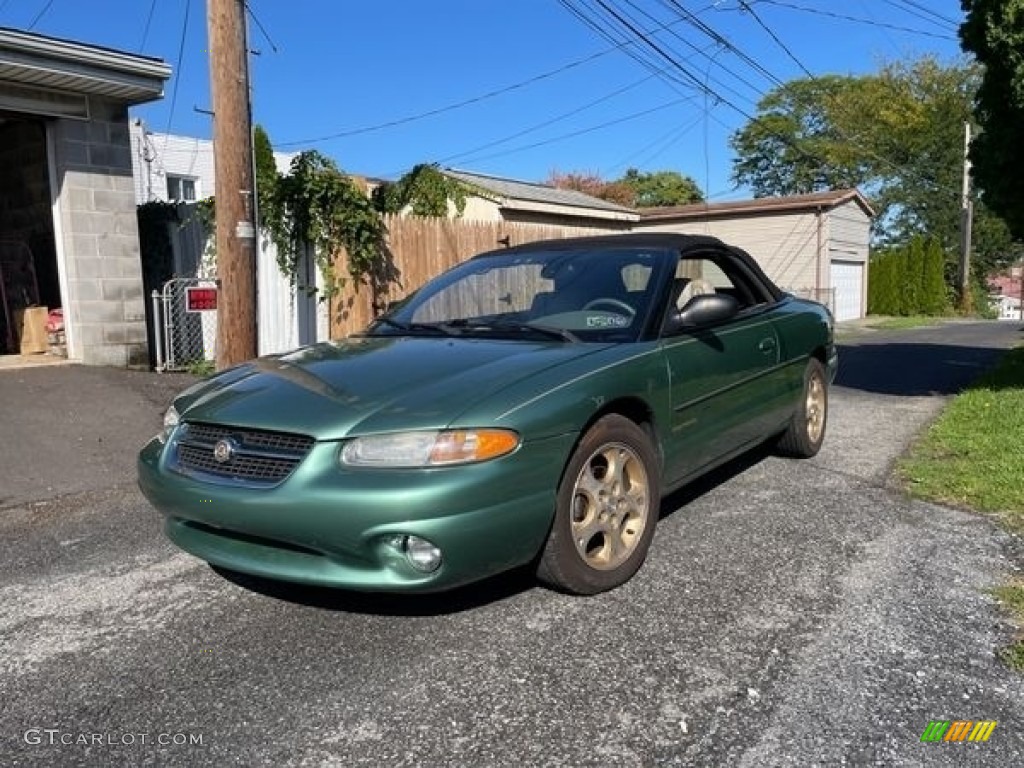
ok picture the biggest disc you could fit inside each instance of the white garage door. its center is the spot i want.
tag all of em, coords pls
(848, 287)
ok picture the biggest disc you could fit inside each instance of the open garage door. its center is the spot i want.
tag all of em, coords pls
(28, 256)
(848, 288)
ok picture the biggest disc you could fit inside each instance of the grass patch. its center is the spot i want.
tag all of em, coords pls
(1012, 596)
(973, 456)
(899, 323)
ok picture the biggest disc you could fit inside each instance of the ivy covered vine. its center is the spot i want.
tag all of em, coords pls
(317, 207)
(425, 190)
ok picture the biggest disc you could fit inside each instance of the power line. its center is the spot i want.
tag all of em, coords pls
(465, 102)
(263, 30)
(746, 6)
(548, 122)
(667, 57)
(582, 131)
(922, 12)
(660, 144)
(857, 19)
(446, 108)
(177, 70)
(149, 20)
(930, 12)
(703, 52)
(40, 15)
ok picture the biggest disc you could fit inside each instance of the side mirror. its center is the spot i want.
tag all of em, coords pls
(703, 310)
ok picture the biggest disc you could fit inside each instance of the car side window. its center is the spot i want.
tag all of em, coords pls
(713, 273)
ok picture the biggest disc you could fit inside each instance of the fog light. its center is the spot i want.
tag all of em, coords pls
(421, 554)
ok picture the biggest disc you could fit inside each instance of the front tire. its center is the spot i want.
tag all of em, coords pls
(606, 510)
(806, 431)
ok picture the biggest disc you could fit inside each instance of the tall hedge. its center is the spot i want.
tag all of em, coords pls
(908, 280)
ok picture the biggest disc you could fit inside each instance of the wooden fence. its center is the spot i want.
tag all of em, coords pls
(422, 248)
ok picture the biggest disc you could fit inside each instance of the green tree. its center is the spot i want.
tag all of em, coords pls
(635, 189)
(897, 134)
(267, 177)
(797, 142)
(660, 188)
(994, 32)
(934, 299)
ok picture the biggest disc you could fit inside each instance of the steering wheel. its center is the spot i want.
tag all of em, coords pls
(594, 303)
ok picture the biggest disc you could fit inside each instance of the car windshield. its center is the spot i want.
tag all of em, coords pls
(575, 294)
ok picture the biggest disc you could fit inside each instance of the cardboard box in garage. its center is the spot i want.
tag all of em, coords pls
(31, 325)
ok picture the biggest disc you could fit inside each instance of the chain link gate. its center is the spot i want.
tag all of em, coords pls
(186, 321)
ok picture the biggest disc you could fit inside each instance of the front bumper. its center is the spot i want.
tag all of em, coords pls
(326, 525)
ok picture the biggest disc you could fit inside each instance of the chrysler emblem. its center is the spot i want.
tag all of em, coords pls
(225, 450)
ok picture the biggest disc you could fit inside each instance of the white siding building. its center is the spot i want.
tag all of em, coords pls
(175, 168)
(811, 245)
(171, 168)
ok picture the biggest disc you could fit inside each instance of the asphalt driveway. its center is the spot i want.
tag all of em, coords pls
(789, 613)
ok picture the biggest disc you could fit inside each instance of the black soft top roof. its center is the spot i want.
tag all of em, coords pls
(670, 241)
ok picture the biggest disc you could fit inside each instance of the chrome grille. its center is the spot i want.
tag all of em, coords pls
(260, 457)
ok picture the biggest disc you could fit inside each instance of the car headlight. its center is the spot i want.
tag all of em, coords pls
(170, 422)
(429, 449)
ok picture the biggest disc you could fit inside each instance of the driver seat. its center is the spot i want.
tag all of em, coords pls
(698, 286)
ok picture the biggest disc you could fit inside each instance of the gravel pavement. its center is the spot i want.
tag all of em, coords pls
(790, 613)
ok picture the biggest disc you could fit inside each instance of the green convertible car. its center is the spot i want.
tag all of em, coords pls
(530, 406)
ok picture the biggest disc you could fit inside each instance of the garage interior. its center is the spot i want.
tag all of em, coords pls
(28, 256)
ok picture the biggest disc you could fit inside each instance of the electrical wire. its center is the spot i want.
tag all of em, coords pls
(149, 20)
(259, 24)
(558, 118)
(659, 145)
(465, 102)
(922, 12)
(778, 41)
(582, 131)
(40, 15)
(857, 19)
(177, 71)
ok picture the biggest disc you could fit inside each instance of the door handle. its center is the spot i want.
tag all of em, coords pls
(767, 346)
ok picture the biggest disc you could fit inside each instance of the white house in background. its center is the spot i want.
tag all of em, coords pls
(172, 168)
(1008, 307)
(811, 245)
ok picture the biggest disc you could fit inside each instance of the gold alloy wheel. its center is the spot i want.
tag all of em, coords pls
(815, 408)
(610, 506)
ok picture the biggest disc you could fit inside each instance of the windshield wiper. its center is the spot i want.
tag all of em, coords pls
(438, 329)
(515, 327)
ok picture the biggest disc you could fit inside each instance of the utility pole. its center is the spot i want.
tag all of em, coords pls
(966, 222)
(233, 162)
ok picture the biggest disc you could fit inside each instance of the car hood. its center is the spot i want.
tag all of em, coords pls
(371, 384)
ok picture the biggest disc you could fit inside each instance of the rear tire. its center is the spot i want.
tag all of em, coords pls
(606, 510)
(806, 431)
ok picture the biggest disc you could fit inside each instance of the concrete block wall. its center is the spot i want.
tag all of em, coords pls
(105, 300)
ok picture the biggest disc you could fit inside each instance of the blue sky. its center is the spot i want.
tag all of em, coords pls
(547, 92)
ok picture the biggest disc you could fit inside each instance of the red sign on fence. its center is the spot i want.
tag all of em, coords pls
(200, 299)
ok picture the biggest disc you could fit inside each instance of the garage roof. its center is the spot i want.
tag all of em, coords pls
(760, 205)
(541, 198)
(28, 59)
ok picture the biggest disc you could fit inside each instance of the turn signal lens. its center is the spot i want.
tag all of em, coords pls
(461, 445)
(429, 449)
